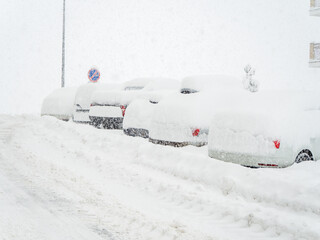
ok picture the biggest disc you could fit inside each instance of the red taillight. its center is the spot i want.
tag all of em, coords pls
(123, 109)
(277, 144)
(195, 132)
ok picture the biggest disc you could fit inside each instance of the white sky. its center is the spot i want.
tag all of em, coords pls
(141, 38)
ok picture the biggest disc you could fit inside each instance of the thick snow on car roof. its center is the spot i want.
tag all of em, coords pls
(157, 96)
(154, 90)
(194, 110)
(211, 93)
(116, 97)
(59, 102)
(274, 101)
(136, 84)
(290, 115)
(84, 92)
(210, 83)
(198, 108)
(157, 84)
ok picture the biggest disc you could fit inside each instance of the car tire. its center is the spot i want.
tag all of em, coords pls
(304, 155)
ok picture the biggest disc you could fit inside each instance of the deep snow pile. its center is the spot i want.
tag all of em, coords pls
(99, 184)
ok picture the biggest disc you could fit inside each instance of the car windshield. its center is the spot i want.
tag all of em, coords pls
(133, 88)
(188, 91)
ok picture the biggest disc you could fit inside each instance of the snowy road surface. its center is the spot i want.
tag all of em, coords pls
(60, 180)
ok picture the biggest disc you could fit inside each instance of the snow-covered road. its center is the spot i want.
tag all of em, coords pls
(60, 180)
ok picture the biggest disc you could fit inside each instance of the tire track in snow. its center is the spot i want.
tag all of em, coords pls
(5, 134)
(249, 218)
(48, 213)
(225, 183)
(105, 212)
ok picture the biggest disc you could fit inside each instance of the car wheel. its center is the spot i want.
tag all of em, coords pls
(304, 155)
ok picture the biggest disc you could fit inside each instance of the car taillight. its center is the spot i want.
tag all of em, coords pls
(277, 144)
(195, 132)
(123, 109)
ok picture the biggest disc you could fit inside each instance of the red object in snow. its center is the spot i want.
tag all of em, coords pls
(195, 132)
(277, 144)
(123, 109)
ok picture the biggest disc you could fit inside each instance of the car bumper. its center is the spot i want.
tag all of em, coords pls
(107, 122)
(250, 160)
(136, 132)
(168, 143)
(175, 134)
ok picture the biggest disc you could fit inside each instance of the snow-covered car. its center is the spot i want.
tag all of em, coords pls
(109, 108)
(83, 100)
(59, 103)
(184, 118)
(139, 113)
(136, 122)
(267, 129)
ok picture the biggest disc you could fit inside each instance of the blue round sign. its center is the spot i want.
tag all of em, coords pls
(94, 75)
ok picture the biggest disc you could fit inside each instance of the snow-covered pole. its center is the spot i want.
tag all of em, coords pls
(63, 43)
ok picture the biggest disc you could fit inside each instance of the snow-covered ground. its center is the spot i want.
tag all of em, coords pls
(60, 180)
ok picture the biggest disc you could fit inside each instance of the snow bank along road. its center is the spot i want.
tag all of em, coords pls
(60, 180)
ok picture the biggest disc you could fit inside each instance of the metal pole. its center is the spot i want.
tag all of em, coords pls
(63, 43)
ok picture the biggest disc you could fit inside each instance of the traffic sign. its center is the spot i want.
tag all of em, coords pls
(94, 75)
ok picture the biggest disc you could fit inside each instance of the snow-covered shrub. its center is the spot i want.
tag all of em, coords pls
(249, 82)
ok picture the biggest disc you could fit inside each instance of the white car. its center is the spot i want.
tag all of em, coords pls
(137, 120)
(59, 103)
(184, 118)
(267, 129)
(108, 108)
(83, 100)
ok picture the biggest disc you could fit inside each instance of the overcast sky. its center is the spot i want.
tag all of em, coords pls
(141, 38)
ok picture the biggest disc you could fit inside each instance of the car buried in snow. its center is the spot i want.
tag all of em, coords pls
(59, 103)
(139, 113)
(184, 118)
(83, 99)
(267, 129)
(108, 108)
